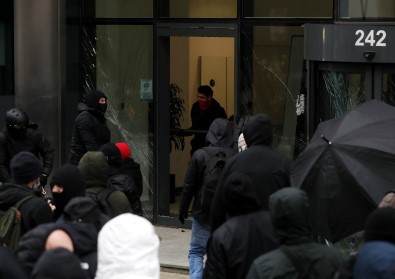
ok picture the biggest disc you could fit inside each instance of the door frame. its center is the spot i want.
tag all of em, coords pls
(162, 80)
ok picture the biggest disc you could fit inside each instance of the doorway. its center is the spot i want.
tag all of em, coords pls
(340, 87)
(188, 57)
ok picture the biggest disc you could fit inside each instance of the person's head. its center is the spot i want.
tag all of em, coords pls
(96, 100)
(388, 200)
(26, 169)
(258, 130)
(124, 149)
(112, 153)
(220, 133)
(94, 169)
(16, 122)
(66, 183)
(204, 96)
(289, 208)
(240, 195)
(128, 245)
(380, 225)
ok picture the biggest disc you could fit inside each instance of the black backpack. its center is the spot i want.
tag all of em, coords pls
(212, 173)
(101, 199)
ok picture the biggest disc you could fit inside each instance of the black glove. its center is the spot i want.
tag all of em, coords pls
(43, 180)
(182, 217)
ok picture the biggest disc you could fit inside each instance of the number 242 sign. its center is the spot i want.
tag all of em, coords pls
(372, 38)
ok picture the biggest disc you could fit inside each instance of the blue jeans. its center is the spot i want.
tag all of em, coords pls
(197, 249)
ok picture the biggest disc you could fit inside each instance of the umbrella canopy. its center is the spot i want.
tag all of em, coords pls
(347, 168)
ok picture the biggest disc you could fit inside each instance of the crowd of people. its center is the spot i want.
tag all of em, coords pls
(91, 225)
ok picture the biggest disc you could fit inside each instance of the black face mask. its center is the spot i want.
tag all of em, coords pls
(101, 108)
(17, 134)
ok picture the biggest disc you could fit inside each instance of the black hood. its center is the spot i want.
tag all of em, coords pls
(258, 130)
(220, 133)
(290, 211)
(12, 193)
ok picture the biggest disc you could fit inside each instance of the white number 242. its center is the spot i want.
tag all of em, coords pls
(370, 38)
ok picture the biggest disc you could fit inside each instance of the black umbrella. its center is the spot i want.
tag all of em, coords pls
(347, 168)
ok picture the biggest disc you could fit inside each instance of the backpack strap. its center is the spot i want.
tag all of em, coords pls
(19, 203)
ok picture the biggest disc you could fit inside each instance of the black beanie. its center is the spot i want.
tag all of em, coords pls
(112, 153)
(240, 195)
(380, 225)
(92, 98)
(70, 178)
(25, 167)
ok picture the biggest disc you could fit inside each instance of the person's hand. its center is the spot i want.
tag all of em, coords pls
(51, 205)
(182, 217)
(43, 179)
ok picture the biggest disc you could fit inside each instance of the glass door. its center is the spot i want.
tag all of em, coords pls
(187, 57)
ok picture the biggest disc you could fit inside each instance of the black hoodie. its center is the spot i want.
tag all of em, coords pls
(268, 170)
(220, 138)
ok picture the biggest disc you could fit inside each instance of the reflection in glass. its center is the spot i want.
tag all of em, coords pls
(288, 8)
(198, 8)
(273, 82)
(116, 63)
(338, 93)
(388, 88)
(365, 9)
(118, 8)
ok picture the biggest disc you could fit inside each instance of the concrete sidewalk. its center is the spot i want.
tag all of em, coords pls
(173, 252)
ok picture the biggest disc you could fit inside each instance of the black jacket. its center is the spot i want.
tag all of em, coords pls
(34, 142)
(268, 170)
(220, 138)
(234, 246)
(34, 211)
(89, 133)
(202, 119)
(132, 168)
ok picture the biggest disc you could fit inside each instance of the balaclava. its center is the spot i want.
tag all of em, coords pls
(92, 101)
(70, 178)
(16, 122)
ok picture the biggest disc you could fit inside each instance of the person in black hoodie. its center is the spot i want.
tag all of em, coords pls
(219, 138)
(204, 111)
(26, 170)
(268, 169)
(66, 183)
(247, 234)
(119, 180)
(90, 128)
(21, 134)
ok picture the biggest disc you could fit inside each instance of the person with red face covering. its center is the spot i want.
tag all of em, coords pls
(204, 111)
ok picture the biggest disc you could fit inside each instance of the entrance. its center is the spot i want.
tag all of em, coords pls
(187, 57)
(347, 65)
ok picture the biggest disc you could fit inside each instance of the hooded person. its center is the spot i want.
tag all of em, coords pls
(95, 171)
(66, 183)
(247, 234)
(58, 263)
(219, 139)
(128, 247)
(269, 170)
(26, 169)
(20, 134)
(90, 128)
(119, 180)
(298, 256)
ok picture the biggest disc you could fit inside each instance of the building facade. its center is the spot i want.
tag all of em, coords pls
(301, 62)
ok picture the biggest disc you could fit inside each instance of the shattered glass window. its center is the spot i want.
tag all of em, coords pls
(273, 81)
(121, 66)
(338, 93)
(388, 88)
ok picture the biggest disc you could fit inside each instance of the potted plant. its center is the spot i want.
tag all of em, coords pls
(176, 116)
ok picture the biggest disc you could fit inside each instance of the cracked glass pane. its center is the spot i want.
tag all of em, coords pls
(388, 88)
(273, 81)
(121, 66)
